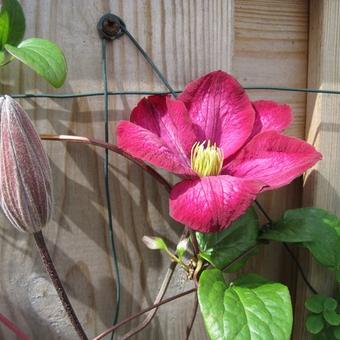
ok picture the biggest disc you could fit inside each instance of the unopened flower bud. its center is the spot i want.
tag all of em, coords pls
(154, 243)
(25, 173)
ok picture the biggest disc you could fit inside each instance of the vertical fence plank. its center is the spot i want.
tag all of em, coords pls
(271, 49)
(322, 184)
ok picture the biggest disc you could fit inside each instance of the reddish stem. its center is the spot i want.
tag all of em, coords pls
(111, 147)
(14, 328)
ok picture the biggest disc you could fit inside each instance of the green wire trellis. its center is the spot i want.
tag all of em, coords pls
(118, 31)
(149, 93)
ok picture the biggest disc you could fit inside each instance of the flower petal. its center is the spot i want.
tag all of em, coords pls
(211, 203)
(169, 120)
(221, 110)
(144, 144)
(271, 116)
(273, 158)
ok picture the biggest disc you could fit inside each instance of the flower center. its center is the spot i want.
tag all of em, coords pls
(206, 159)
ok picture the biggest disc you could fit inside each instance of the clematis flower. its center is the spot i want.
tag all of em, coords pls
(25, 174)
(225, 148)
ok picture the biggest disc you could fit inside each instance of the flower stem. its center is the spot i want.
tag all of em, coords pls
(160, 295)
(111, 147)
(152, 313)
(174, 258)
(49, 266)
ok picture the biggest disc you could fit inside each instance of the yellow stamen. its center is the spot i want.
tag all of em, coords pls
(206, 161)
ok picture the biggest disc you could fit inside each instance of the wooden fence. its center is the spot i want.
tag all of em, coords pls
(262, 42)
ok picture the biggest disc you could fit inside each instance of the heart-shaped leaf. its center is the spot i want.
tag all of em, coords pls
(250, 308)
(316, 229)
(12, 23)
(42, 56)
(222, 247)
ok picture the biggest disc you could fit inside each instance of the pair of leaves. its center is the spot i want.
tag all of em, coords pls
(42, 56)
(249, 308)
(316, 229)
(221, 248)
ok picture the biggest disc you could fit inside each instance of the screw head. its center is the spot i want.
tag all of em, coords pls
(111, 27)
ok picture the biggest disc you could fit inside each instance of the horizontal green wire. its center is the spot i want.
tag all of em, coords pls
(145, 93)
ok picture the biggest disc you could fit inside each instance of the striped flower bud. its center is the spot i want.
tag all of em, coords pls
(25, 173)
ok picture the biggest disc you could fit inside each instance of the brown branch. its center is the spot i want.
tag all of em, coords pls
(130, 318)
(193, 317)
(49, 266)
(159, 297)
(111, 147)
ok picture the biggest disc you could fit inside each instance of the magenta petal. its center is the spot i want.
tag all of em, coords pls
(221, 110)
(274, 159)
(169, 120)
(144, 144)
(212, 203)
(271, 116)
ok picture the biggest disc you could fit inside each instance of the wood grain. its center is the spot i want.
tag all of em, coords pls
(270, 49)
(322, 184)
(260, 42)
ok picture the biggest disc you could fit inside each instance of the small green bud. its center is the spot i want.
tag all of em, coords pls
(182, 247)
(154, 243)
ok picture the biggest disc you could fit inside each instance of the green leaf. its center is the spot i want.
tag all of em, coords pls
(251, 281)
(42, 56)
(222, 247)
(315, 303)
(316, 229)
(12, 23)
(237, 265)
(5, 58)
(314, 323)
(247, 309)
(330, 304)
(300, 225)
(332, 317)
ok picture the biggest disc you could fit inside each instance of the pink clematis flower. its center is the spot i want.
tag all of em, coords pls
(224, 147)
